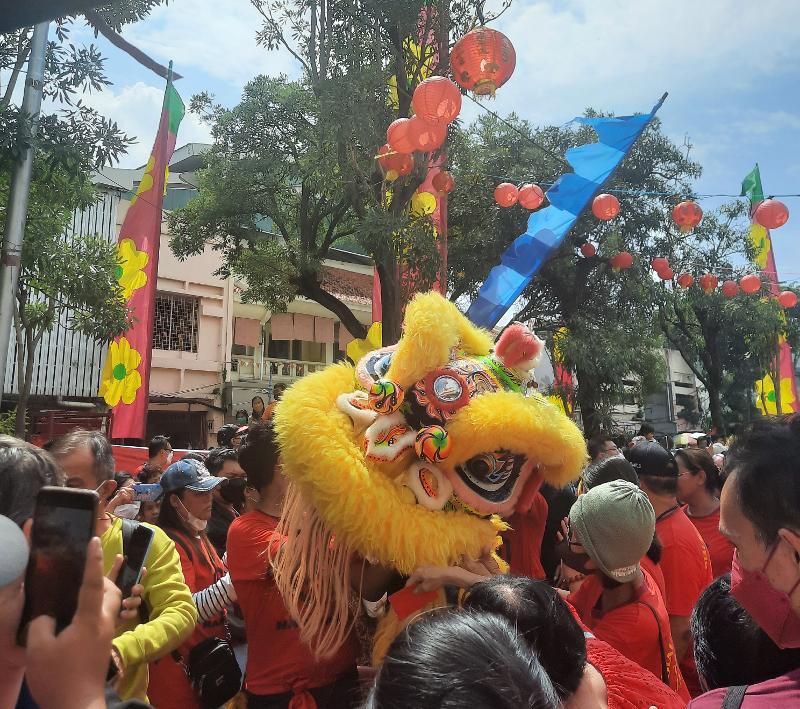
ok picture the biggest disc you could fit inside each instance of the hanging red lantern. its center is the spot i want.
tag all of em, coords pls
(750, 283)
(687, 215)
(424, 137)
(531, 197)
(787, 299)
(621, 261)
(399, 136)
(506, 194)
(437, 101)
(605, 207)
(666, 274)
(483, 60)
(729, 289)
(588, 250)
(685, 280)
(659, 264)
(708, 282)
(771, 214)
(394, 164)
(443, 182)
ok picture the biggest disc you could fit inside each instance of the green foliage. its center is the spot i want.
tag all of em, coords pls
(8, 421)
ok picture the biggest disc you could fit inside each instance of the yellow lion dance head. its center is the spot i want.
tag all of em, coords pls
(411, 458)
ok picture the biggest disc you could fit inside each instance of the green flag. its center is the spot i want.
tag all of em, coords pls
(751, 186)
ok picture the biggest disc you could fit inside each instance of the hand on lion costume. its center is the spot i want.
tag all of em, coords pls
(410, 459)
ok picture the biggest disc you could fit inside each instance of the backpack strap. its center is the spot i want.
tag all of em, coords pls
(734, 697)
(664, 668)
(182, 541)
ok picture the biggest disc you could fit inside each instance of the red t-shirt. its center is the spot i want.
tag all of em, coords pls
(169, 687)
(686, 564)
(632, 629)
(522, 544)
(277, 661)
(655, 571)
(783, 691)
(629, 686)
(720, 550)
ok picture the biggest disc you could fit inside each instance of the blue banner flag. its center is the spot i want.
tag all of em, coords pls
(569, 196)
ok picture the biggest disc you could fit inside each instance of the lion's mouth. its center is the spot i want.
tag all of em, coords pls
(491, 476)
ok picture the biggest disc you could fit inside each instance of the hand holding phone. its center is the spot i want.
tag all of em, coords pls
(63, 524)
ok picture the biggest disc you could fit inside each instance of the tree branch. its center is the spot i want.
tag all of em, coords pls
(22, 55)
(311, 288)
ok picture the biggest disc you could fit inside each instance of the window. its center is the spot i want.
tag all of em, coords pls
(175, 324)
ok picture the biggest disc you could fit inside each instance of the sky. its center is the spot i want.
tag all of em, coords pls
(732, 70)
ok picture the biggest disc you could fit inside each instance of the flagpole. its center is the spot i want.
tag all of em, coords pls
(11, 256)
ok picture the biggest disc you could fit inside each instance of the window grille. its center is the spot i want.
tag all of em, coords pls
(175, 324)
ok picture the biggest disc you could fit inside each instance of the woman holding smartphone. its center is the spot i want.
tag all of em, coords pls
(185, 511)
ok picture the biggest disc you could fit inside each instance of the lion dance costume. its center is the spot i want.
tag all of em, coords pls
(411, 458)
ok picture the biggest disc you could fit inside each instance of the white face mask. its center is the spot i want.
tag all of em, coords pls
(128, 511)
(195, 523)
(170, 456)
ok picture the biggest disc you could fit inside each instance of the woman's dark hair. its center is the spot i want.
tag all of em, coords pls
(536, 610)
(607, 470)
(243, 412)
(218, 457)
(149, 473)
(763, 458)
(729, 647)
(696, 460)
(195, 455)
(24, 470)
(259, 455)
(458, 659)
(168, 517)
(253, 403)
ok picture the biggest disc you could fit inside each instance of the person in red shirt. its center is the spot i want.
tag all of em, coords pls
(522, 543)
(698, 488)
(585, 671)
(183, 516)
(685, 559)
(610, 529)
(281, 670)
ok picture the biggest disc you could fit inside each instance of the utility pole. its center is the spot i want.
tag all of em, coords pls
(11, 255)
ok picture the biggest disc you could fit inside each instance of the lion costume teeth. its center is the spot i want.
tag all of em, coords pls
(439, 415)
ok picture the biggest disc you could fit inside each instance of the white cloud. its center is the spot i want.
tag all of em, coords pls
(137, 109)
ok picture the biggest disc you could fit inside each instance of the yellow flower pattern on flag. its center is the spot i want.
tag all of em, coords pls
(766, 401)
(121, 378)
(146, 183)
(356, 349)
(759, 239)
(130, 275)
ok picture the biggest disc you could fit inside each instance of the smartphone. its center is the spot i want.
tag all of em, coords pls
(147, 492)
(135, 553)
(63, 525)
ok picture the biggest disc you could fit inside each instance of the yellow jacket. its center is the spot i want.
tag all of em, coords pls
(172, 612)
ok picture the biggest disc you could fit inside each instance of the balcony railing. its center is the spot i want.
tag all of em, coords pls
(276, 368)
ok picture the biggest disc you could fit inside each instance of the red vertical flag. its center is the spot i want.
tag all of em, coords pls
(125, 382)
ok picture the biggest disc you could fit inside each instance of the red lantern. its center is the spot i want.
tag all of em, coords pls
(666, 274)
(687, 215)
(729, 289)
(437, 101)
(424, 137)
(787, 299)
(399, 136)
(708, 282)
(771, 214)
(506, 194)
(531, 197)
(483, 60)
(605, 207)
(659, 264)
(685, 280)
(588, 250)
(750, 283)
(621, 261)
(443, 182)
(394, 164)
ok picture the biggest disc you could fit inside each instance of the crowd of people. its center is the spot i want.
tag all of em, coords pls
(663, 578)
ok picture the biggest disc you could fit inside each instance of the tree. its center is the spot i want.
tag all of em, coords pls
(610, 334)
(302, 154)
(61, 277)
(729, 343)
